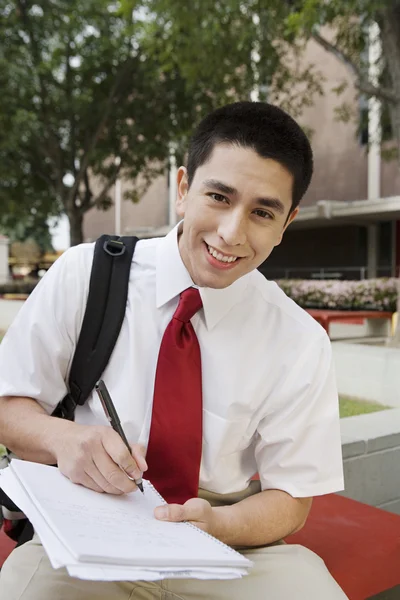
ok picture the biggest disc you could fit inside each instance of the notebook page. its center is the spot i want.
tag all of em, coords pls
(59, 556)
(56, 551)
(120, 530)
(112, 573)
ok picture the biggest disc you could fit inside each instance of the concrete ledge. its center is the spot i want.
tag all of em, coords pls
(4, 242)
(368, 372)
(371, 458)
(8, 311)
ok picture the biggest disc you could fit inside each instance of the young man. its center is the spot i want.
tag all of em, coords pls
(264, 400)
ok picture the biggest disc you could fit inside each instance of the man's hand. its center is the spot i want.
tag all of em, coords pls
(196, 511)
(97, 458)
(263, 518)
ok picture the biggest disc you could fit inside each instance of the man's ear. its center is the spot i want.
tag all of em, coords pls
(182, 189)
(291, 218)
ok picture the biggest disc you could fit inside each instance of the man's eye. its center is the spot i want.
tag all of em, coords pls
(217, 197)
(263, 214)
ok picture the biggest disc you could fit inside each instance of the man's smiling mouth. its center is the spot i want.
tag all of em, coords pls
(218, 255)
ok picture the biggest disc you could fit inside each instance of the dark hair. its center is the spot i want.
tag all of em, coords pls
(266, 129)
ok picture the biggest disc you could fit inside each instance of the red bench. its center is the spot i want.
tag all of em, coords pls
(6, 545)
(325, 316)
(360, 545)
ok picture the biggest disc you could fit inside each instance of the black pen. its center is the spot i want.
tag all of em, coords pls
(112, 416)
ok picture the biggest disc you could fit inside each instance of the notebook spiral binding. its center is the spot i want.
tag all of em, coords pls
(148, 483)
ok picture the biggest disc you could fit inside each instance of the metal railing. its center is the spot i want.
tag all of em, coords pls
(340, 272)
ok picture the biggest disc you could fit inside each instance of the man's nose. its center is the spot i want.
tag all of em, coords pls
(232, 229)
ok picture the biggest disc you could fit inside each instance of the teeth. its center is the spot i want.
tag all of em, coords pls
(221, 257)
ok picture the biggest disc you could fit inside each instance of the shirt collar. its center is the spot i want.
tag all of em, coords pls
(172, 278)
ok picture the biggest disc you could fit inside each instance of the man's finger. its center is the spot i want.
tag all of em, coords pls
(93, 472)
(88, 482)
(139, 453)
(116, 450)
(193, 510)
(129, 465)
(170, 512)
(111, 471)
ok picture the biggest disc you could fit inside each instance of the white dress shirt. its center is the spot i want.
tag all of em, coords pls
(269, 394)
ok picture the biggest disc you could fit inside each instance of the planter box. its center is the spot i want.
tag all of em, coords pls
(371, 458)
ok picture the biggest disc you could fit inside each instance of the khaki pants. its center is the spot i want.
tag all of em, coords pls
(280, 572)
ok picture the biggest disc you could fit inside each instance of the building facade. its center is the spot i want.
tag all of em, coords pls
(342, 231)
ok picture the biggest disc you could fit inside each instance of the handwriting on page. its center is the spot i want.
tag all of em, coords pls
(120, 531)
(83, 522)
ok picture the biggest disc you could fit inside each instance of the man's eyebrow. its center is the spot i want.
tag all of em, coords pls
(273, 203)
(221, 187)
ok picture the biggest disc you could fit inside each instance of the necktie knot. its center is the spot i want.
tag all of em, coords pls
(189, 304)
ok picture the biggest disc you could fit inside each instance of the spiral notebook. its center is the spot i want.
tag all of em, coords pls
(116, 531)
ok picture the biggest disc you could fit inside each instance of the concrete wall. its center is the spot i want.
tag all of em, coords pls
(8, 311)
(368, 372)
(371, 457)
(3, 259)
(151, 211)
(341, 163)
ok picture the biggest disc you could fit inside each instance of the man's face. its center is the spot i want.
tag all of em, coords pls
(235, 213)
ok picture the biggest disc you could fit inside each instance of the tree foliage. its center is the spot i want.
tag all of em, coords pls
(343, 28)
(84, 82)
(76, 94)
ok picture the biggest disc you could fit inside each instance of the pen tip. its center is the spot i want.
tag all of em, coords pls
(140, 486)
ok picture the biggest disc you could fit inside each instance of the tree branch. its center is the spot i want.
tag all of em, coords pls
(106, 188)
(88, 191)
(107, 110)
(360, 82)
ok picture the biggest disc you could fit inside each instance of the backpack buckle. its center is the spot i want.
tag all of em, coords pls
(66, 408)
(114, 247)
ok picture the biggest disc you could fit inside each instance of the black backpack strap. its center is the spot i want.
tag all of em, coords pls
(104, 314)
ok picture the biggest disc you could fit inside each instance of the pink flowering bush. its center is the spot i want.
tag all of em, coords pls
(367, 294)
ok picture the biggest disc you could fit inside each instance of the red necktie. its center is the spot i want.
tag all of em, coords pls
(174, 450)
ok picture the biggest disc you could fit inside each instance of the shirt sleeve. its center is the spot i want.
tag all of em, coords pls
(298, 449)
(37, 350)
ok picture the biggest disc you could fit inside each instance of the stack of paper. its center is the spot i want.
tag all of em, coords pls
(113, 538)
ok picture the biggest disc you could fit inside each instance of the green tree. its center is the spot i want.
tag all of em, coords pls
(235, 46)
(31, 226)
(75, 94)
(84, 82)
